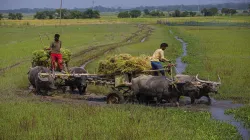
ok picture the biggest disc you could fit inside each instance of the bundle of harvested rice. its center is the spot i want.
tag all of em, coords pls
(124, 63)
(42, 57)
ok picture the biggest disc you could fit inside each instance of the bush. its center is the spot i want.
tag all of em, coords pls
(124, 14)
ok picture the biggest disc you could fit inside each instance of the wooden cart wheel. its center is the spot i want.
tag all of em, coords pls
(115, 98)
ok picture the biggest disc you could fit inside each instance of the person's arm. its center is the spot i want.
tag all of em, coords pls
(50, 47)
(163, 58)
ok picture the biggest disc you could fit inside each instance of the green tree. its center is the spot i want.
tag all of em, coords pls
(213, 11)
(157, 13)
(232, 11)
(135, 13)
(19, 16)
(146, 11)
(64, 13)
(75, 14)
(184, 14)
(96, 14)
(124, 14)
(225, 11)
(40, 15)
(1, 16)
(12, 16)
(192, 14)
(176, 13)
(89, 13)
(209, 12)
(45, 15)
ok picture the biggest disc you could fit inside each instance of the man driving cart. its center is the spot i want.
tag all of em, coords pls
(157, 58)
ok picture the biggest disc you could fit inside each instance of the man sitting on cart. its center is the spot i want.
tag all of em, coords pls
(157, 58)
(55, 53)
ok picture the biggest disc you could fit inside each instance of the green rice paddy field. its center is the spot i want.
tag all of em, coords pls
(211, 51)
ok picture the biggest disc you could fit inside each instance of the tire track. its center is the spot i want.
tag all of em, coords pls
(3, 70)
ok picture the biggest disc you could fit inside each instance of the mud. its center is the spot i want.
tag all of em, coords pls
(2, 70)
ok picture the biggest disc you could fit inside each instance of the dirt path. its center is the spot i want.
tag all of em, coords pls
(3, 70)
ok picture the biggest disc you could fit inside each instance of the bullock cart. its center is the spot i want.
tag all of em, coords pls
(120, 83)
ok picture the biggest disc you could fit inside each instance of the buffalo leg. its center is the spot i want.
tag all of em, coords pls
(159, 98)
(38, 91)
(80, 89)
(84, 89)
(209, 99)
(192, 100)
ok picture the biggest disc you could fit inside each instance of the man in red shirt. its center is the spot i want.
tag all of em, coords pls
(55, 54)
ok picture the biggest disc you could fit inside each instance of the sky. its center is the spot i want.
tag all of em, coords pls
(16, 4)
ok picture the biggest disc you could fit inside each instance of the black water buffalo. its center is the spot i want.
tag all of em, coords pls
(195, 88)
(147, 86)
(79, 82)
(41, 83)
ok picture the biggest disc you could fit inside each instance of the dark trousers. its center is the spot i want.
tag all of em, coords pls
(157, 65)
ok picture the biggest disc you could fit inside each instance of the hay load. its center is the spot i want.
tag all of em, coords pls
(42, 57)
(124, 63)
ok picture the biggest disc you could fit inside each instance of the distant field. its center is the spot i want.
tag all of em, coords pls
(111, 19)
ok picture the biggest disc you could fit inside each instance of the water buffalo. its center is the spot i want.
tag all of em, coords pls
(79, 82)
(147, 86)
(41, 83)
(195, 88)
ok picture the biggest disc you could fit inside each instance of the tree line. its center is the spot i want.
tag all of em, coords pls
(67, 14)
(14, 16)
(238, 6)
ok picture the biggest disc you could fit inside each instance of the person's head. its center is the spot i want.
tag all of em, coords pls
(164, 46)
(57, 36)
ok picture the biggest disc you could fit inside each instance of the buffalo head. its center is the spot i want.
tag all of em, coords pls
(209, 86)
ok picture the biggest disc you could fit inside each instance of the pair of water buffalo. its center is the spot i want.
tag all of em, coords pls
(48, 83)
(146, 87)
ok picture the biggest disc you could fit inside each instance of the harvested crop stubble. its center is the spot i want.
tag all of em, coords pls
(124, 63)
(42, 57)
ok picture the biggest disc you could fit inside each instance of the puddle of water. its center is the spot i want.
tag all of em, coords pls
(181, 66)
(218, 113)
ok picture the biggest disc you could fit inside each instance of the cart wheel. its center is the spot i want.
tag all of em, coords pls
(115, 98)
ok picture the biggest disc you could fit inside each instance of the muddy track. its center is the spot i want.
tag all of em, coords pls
(142, 34)
(3, 70)
(124, 42)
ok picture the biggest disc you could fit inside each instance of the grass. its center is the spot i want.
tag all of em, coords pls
(220, 51)
(158, 36)
(223, 51)
(75, 121)
(25, 40)
(242, 114)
